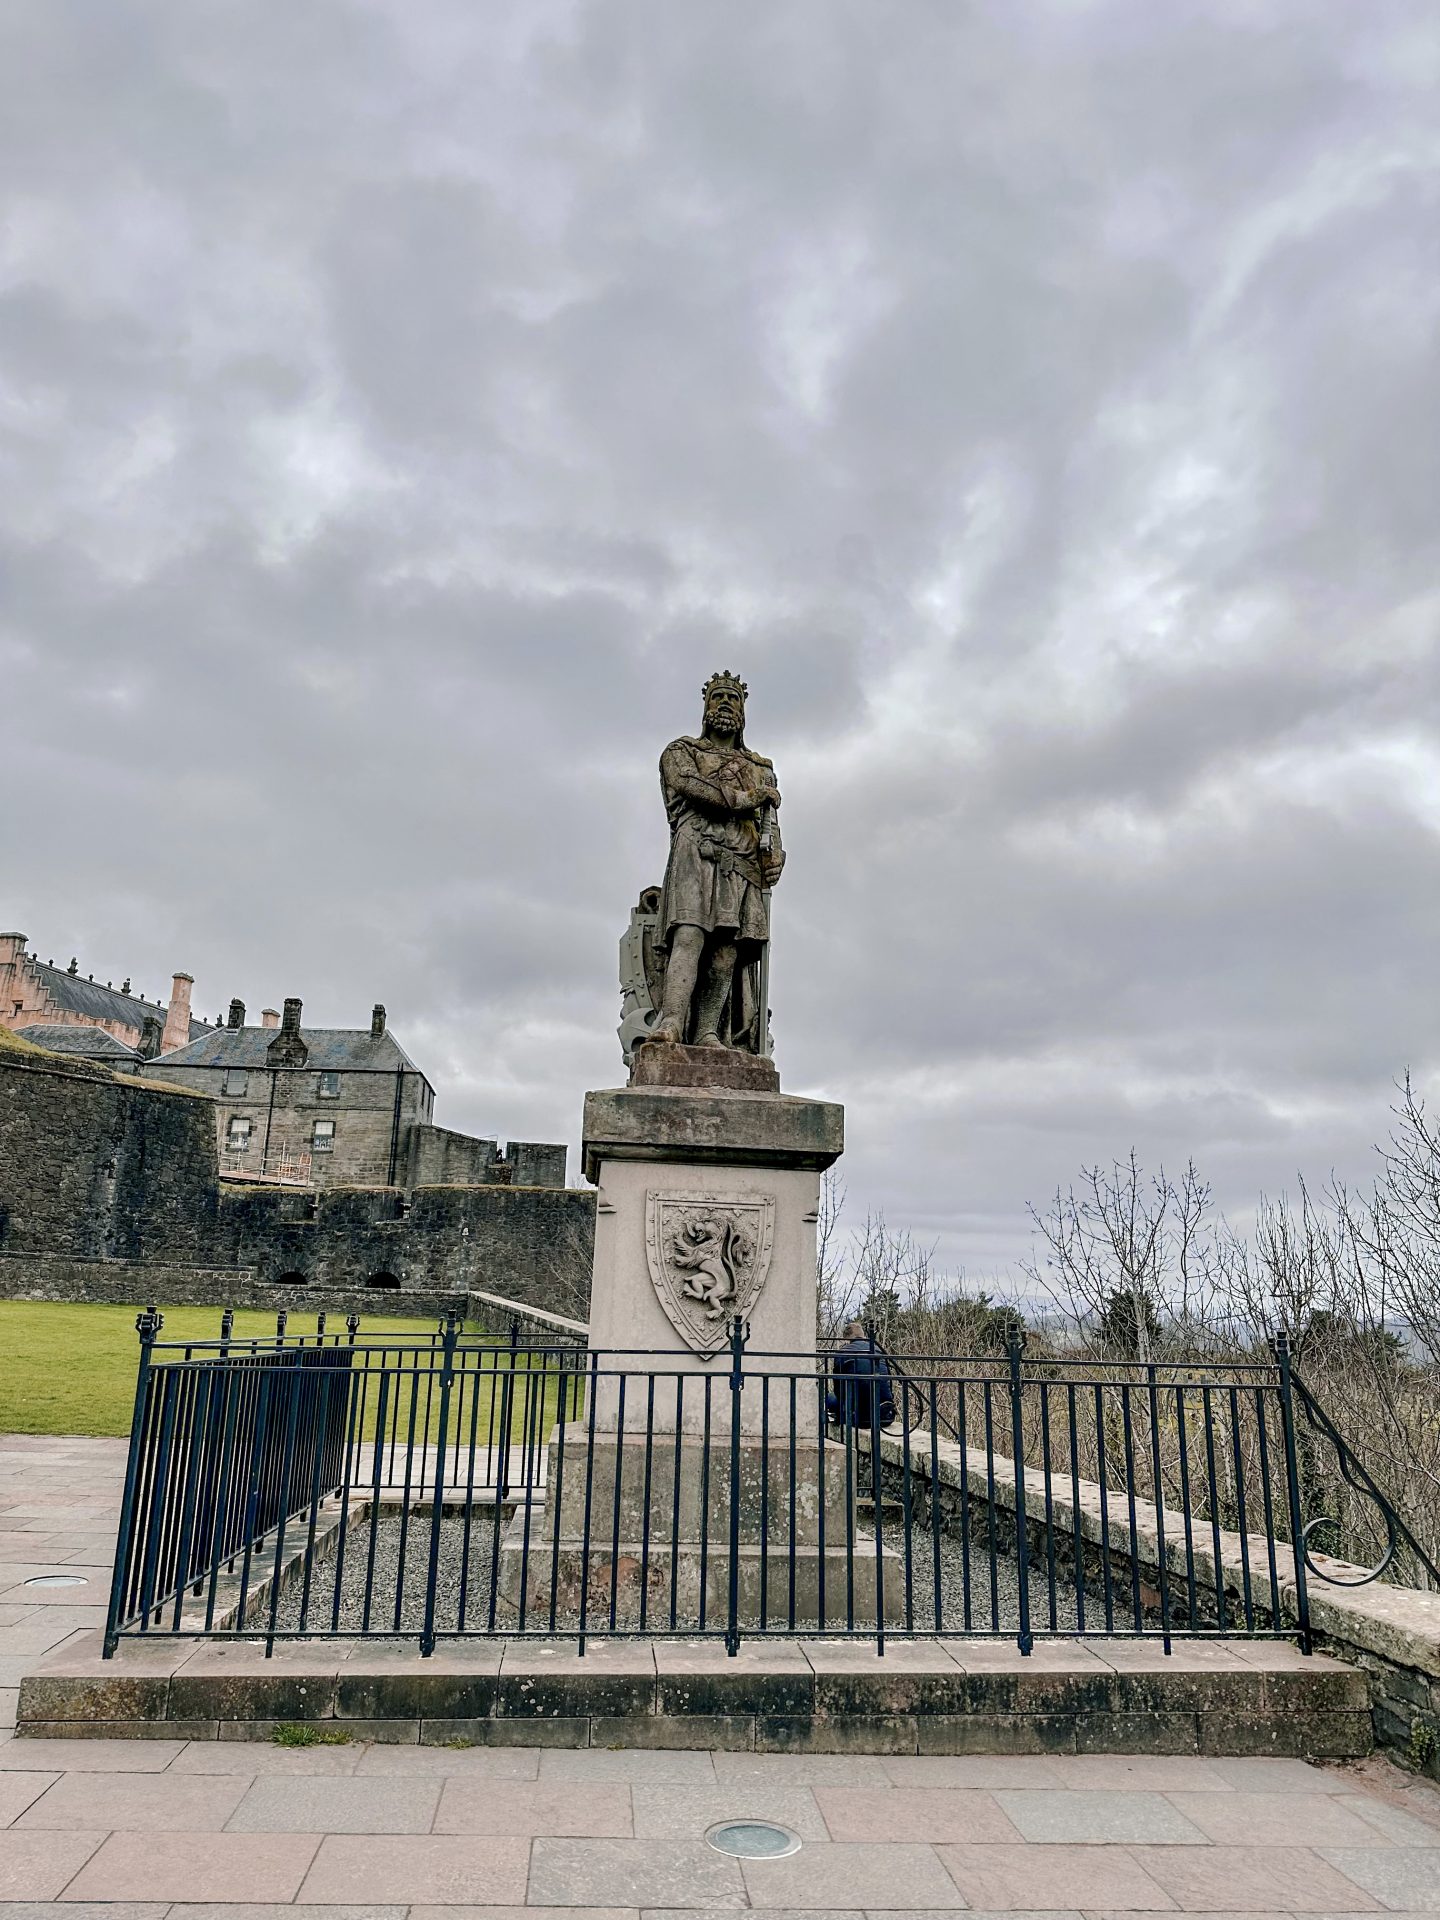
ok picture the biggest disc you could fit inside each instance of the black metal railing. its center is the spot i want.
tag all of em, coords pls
(439, 1486)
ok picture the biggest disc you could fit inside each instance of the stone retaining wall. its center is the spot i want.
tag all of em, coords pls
(1392, 1633)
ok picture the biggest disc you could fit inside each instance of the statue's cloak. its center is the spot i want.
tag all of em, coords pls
(715, 877)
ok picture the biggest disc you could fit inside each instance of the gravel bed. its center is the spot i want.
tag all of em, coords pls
(379, 1567)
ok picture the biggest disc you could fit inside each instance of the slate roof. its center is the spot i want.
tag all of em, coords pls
(331, 1050)
(94, 1002)
(91, 1042)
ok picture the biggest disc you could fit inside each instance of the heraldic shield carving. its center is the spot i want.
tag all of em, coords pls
(708, 1260)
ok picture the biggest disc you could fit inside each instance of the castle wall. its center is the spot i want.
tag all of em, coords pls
(109, 1189)
(100, 1166)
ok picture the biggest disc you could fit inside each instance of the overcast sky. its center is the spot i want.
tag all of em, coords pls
(406, 406)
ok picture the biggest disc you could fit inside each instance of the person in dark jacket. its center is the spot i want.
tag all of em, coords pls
(863, 1393)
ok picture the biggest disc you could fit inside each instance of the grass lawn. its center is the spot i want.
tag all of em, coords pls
(71, 1369)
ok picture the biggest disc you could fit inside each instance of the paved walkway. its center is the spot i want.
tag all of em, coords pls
(169, 1830)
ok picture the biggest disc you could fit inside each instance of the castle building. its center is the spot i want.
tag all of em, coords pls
(336, 1107)
(36, 993)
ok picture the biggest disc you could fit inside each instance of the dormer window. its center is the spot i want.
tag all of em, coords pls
(329, 1086)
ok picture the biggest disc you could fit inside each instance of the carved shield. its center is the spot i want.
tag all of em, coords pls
(708, 1260)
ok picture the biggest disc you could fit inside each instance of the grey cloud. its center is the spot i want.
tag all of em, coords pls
(405, 409)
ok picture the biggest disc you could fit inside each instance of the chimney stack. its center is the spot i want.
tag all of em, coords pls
(269, 1017)
(237, 1014)
(177, 1014)
(288, 1049)
(377, 1021)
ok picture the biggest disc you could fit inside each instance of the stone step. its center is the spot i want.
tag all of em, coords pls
(816, 1695)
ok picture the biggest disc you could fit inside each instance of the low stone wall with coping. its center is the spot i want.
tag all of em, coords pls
(1391, 1633)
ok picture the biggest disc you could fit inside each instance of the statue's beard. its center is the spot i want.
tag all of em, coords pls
(731, 723)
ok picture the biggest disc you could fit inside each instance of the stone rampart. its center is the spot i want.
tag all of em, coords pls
(102, 1166)
(104, 1177)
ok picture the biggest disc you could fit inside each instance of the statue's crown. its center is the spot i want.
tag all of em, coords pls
(724, 679)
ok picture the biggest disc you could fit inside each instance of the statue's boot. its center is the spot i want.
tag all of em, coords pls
(666, 1030)
(714, 992)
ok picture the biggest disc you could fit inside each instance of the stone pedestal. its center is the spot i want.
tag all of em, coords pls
(673, 1161)
(708, 1201)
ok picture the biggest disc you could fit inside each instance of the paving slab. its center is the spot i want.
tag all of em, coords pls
(666, 1767)
(1088, 1816)
(89, 1756)
(470, 1763)
(801, 1769)
(134, 1803)
(39, 1866)
(1261, 1774)
(89, 1910)
(1398, 1824)
(1261, 1879)
(914, 1813)
(204, 1866)
(633, 1873)
(260, 1757)
(185, 1910)
(1055, 1877)
(1151, 1772)
(314, 1804)
(687, 1812)
(19, 1790)
(434, 1869)
(564, 1809)
(975, 1770)
(1402, 1880)
(866, 1874)
(1244, 1819)
(503, 1913)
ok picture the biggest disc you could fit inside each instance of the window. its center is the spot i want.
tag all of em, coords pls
(237, 1083)
(322, 1137)
(329, 1086)
(237, 1134)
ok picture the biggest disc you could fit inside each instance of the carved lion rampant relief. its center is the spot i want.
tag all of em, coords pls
(708, 1261)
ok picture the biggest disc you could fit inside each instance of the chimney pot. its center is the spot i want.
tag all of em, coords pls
(269, 1017)
(237, 1013)
(377, 1020)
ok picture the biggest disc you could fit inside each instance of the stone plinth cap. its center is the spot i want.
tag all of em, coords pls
(711, 1128)
(658, 1064)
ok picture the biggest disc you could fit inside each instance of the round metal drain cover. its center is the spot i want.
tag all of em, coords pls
(57, 1580)
(753, 1840)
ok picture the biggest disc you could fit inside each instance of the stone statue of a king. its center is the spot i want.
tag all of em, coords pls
(713, 923)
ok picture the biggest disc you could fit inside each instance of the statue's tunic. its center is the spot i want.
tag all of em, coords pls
(715, 878)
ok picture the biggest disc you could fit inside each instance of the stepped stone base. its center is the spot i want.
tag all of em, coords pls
(644, 1520)
(819, 1696)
